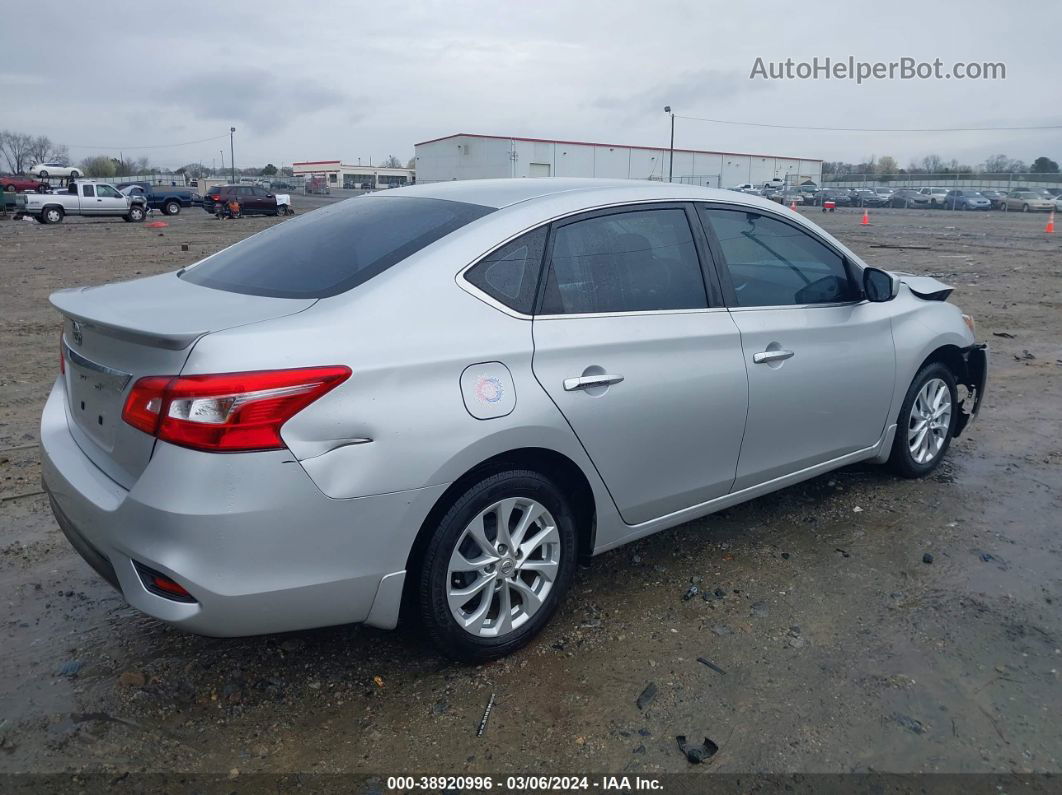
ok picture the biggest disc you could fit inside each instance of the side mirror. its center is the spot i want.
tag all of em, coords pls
(879, 286)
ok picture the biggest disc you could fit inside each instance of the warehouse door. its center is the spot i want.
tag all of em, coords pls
(539, 169)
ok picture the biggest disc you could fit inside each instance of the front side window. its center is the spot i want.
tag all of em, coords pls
(107, 191)
(333, 249)
(636, 261)
(510, 274)
(772, 263)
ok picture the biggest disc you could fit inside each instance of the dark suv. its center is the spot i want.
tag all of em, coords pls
(252, 199)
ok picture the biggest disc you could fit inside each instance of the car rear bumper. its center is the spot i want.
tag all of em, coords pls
(249, 536)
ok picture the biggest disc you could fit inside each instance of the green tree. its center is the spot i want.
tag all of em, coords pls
(99, 166)
(269, 170)
(1044, 165)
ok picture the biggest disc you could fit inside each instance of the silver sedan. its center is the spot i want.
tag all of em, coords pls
(451, 393)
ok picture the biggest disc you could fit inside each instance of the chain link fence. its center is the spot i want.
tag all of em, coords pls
(986, 181)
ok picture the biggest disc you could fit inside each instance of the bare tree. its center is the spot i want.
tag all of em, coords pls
(391, 162)
(42, 150)
(16, 150)
(933, 164)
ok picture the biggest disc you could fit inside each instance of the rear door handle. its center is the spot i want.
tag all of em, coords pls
(590, 381)
(763, 357)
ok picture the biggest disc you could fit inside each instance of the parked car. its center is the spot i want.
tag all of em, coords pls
(55, 169)
(1054, 191)
(743, 187)
(936, 196)
(166, 198)
(966, 200)
(885, 193)
(1028, 200)
(81, 198)
(252, 199)
(786, 196)
(839, 196)
(864, 197)
(910, 198)
(20, 184)
(995, 197)
(239, 449)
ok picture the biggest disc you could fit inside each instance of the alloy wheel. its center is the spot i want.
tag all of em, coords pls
(503, 567)
(930, 421)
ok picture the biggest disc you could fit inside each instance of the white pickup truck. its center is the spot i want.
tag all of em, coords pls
(92, 199)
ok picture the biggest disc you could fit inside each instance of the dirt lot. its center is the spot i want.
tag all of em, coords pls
(842, 650)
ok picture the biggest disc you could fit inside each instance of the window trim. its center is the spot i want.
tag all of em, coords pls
(723, 273)
(714, 289)
(477, 292)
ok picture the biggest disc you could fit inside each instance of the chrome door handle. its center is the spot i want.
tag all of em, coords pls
(590, 381)
(771, 356)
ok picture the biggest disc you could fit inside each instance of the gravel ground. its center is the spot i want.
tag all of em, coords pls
(833, 646)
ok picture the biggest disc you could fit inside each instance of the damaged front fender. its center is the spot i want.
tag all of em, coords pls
(973, 377)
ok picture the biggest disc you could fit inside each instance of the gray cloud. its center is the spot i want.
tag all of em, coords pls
(257, 98)
(314, 80)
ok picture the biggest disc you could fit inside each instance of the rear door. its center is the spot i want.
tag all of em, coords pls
(645, 368)
(819, 358)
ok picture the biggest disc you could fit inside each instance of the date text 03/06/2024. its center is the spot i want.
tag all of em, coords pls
(520, 783)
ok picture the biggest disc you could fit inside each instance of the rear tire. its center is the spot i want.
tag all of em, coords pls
(508, 542)
(51, 215)
(42, 174)
(9, 188)
(75, 174)
(171, 208)
(926, 422)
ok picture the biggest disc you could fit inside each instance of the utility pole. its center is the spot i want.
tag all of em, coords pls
(232, 154)
(671, 150)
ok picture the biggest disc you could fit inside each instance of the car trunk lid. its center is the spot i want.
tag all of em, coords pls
(116, 334)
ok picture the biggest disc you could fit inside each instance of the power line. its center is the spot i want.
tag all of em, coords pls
(151, 146)
(869, 129)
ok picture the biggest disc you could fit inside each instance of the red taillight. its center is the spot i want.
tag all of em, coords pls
(169, 586)
(229, 412)
(215, 198)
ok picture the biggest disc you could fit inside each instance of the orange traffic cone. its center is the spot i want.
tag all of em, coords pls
(866, 218)
(1050, 229)
(792, 205)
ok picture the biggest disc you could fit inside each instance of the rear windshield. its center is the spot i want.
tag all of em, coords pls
(333, 249)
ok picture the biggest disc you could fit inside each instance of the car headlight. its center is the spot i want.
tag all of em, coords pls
(969, 321)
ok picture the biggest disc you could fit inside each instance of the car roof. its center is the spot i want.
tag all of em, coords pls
(500, 193)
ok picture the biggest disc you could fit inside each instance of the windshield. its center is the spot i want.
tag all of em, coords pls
(333, 249)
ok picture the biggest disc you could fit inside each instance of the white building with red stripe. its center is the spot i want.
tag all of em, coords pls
(471, 156)
(338, 174)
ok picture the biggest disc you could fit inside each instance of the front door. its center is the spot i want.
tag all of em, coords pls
(819, 358)
(109, 201)
(647, 372)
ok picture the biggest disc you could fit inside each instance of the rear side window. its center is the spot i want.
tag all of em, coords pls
(333, 249)
(634, 261)
(510, 274)
(90, 190)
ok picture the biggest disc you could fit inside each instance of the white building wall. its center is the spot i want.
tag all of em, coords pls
(471, 157)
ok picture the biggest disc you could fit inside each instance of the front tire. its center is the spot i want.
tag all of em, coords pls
(926, 423)
(136, 214)
(1025, 208)
(497, 565)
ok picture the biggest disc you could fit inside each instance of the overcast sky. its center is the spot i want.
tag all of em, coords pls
(310, 81)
